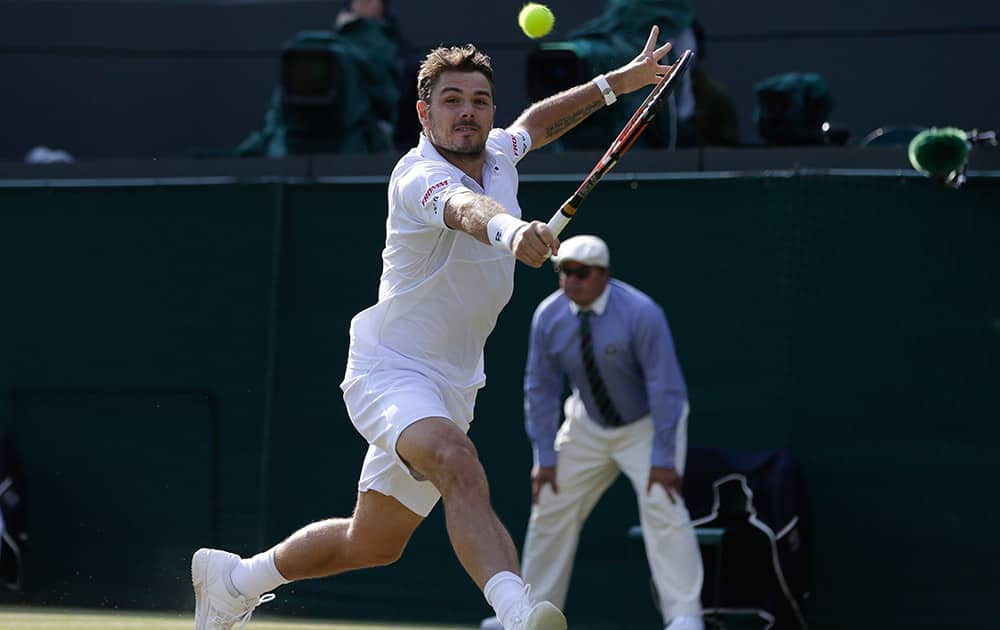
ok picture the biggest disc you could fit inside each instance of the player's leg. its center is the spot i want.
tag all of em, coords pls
(390, 506)
(584, 472)
(441, 452)
(228, 588)
(669, 537)
(375, 535)
(417, 424)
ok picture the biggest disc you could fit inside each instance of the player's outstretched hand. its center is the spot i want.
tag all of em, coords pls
(646, 68)
(533, 244)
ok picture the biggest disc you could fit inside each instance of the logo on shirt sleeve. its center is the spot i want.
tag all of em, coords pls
(520, 143)
(430, 191)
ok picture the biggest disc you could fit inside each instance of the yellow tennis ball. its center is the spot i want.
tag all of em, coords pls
(536, 20)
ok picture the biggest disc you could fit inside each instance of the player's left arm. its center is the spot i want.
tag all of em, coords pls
(550, 118)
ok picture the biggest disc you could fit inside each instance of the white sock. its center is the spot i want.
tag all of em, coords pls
(505, 593)
(255, 576)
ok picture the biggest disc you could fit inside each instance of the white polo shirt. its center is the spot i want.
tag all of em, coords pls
(441, 290)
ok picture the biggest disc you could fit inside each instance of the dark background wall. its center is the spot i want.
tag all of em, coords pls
(101, 78)
(171, 352)
(171, 355)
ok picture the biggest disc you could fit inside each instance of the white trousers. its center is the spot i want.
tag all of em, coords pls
(590, 458)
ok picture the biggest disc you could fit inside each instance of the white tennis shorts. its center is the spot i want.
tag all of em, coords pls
(382, 402)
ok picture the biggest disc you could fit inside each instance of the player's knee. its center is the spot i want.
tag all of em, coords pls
(456, 464)
(364, 552)
(383, 555)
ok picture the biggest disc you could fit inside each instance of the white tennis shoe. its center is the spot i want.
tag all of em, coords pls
(541, 616)
(490, 623)
(215, 607)
(687, 622)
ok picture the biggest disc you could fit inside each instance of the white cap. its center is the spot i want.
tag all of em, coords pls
(584, 249)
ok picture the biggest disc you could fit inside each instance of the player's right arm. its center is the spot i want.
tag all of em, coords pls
(489, 222)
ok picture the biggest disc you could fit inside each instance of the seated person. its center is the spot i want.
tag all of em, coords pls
(713, 121)
(339, 91)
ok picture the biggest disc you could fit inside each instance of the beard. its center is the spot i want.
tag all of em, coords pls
(463, 148)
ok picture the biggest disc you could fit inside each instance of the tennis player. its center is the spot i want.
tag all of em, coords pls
(415, 362)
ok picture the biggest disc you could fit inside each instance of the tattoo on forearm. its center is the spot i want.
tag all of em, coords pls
(568, 122)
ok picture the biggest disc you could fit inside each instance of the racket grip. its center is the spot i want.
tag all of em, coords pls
(558, 222)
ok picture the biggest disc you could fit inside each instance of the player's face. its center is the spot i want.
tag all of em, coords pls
(582, 283)
(460, 115)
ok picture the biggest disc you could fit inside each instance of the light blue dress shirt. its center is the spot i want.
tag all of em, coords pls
(635, 355)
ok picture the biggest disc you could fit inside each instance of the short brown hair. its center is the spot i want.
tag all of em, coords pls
(466, 58)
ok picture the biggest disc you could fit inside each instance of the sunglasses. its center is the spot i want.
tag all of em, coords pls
(582, 272)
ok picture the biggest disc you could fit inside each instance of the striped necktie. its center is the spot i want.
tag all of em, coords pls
(597, 387)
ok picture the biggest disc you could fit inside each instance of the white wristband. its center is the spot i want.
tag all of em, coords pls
(602, 84)
(501, 230)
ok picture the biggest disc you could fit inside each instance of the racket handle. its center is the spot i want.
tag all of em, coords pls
(558, 222)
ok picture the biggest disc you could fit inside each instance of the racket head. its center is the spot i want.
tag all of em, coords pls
(626, 138)
(660, 92)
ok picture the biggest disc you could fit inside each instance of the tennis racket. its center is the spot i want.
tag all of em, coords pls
(629, 134)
